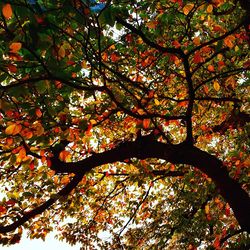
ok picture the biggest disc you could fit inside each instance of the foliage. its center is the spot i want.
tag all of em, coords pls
(127, 118)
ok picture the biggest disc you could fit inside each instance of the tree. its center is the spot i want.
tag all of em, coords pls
(125, 117)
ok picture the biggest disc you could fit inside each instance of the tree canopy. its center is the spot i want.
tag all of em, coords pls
(125, 120)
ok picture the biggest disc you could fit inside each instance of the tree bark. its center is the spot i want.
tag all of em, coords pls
(147, 147)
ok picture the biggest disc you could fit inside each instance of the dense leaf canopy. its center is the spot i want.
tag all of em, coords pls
(123, 124)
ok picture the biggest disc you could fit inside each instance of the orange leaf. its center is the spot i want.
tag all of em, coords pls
(196, 40)
(176, 44)
(39, 112)
(187, 8)
(27, 133)
(13, 129)
(183, 104)
(210, 68)
(61, 52)
(114, 57)
(7, 11)
(229, 41)
(15, 47)
(210, 8)
(152, 24)
(206, 90)
(22, 153)
(64, 155)
(9, 141)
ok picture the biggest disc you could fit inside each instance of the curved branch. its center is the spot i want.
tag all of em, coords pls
(147, 147)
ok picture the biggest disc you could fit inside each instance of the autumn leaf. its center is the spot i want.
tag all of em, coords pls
(39, 112)
(141, 97)
(196, 40)
(22, 153)
(15, 47)
(216, 85)
(197, 57)
(114, 57)
(206, 90)
(229, 41)
(7, 11)
(146, 123)
(65, 156)
(209, 8)
(61, 52)
(210, 68)
(12, 68)
(13, 129)
(2, 210)
(187, 8)
(207, 209)
(176, 44)
(156, 101)
(152, 24)
(32, 166)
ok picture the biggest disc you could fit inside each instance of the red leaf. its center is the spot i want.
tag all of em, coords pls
(146, 123)
(197, 57)
(32, 166)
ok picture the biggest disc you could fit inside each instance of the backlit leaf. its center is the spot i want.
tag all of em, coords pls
(216, 85)
(210, 8)
(146, 123)
(15, 47)
(187, 8)
(7, 10)
(13, 129)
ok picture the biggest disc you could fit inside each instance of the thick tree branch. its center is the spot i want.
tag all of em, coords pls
(146, 147)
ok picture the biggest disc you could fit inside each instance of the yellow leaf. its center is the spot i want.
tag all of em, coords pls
(93, 122)
(207, 209)
(65, 180)
(15, 47)
(7, 11)
(140, 111)
(13, 129)
(187, 8)
(216, 85)
(156, 102)
(210, 8)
